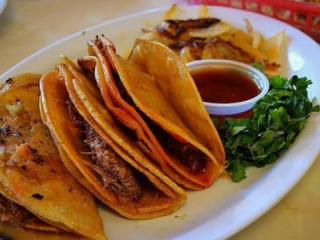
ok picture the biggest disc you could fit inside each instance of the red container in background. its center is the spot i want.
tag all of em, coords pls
(302, 15)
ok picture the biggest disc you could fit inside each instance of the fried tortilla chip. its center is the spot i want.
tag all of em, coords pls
(97, 147)
(31, 172)
(219, 40)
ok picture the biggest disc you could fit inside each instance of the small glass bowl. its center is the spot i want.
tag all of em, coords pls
(237, 107)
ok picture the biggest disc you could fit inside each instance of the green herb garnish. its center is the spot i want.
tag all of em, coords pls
(258, 65)
(277, 120)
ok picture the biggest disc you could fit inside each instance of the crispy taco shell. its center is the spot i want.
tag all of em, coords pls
(179, 89)
(31, 172)
(20, 233)
(161, 113)
(159, 197)
(14, 215)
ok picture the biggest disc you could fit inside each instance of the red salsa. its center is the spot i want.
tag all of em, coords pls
(224, 86)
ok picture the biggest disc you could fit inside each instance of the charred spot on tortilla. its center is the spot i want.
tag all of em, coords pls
(33, 150)
(38, 160)
(37, 196)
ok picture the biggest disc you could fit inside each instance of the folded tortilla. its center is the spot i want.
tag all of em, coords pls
(15, 215)
(20, 233)
(100, 154)
(154, 96)
(36, 191)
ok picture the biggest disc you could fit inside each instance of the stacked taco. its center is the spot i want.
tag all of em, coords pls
(37, 193)
(99, 152)
(153, 96)
(122, 130)
(129, 132)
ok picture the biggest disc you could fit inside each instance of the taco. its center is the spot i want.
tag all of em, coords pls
(36, 191)
(153, 95)
(8, 232)
(99, 153)
(15, 215)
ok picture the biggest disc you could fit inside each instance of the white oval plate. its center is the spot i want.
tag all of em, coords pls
(226, 207)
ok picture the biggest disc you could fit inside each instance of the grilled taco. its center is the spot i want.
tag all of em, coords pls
(15, 215)
(109, 163)
(154, 96)
(36, 191)
(9, 232)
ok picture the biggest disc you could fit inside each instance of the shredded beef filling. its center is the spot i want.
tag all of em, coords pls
(12, 213)
(113, 171)
(194, 159)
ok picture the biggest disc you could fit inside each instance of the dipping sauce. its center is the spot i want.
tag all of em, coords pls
(218, 85)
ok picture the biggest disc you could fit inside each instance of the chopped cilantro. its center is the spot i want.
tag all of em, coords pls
(277, 120)
(258, 65)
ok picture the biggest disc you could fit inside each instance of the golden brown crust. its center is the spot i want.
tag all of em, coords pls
(147, 97)
(31, 170)
(85, 97)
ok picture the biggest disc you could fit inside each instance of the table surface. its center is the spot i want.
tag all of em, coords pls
(29, 25)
